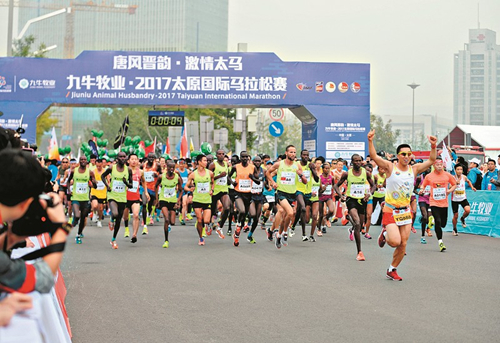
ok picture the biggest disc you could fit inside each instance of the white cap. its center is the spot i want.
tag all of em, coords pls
(475, 160)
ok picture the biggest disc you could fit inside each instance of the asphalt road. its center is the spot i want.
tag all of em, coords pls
(306, 292)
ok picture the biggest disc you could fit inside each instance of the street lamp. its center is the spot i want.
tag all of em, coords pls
(413, 86)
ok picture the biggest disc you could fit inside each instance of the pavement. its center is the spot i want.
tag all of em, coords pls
(306, 292)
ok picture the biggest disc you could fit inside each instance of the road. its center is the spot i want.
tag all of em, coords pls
(306, 292)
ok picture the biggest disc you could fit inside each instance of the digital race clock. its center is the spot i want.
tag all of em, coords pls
(166, 118)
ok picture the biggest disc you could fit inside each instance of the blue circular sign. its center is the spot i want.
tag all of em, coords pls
(276, 129)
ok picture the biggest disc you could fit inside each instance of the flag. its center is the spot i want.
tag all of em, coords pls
(121, 134)
(445, 155)
(191, 145)
(166, 147)
(183, 144)
(53, 147)
(150, 148)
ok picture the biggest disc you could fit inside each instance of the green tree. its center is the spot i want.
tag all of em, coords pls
(385, 136)
(44, 123)
(23, 47)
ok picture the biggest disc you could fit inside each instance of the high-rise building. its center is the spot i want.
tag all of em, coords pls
(477, 80)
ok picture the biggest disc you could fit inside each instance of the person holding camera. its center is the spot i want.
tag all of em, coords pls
(24, 212)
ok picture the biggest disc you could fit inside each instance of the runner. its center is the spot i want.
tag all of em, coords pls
(459, 198)
(151, 171)
(269, 205)
(72, 165)
(98, 195)
(201, 183)
(121, 178)
(286, 187)
(63, 180)
(325, 198)
(186, 197)
(220, 170)
(257, 198)
(369, 205)
(315, 187)
(80, 199)
(379, 195)
(245, 174)
(134, 197)
(423, 204)
(168, 200)
(396, 220)
(232, 196)
(356, 197)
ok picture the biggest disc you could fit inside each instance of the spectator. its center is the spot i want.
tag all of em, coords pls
(474, 172)
(490, 178)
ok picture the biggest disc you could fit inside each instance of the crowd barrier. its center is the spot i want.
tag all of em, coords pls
(47, 321)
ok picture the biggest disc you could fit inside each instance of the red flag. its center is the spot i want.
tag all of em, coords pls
(167, 150)
(150, 148)
(184, 143)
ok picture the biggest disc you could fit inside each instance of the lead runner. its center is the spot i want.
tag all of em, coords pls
(397, 218)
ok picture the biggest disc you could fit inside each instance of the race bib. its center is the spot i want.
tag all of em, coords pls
(100, 185)
(257, 189)
(81, 188)
(203, 187)
(221, 181)
(270, 198)
(135, 187)
(245, 185)
(459, 194)
(314, 191)
(288, 178)
(328, 190)
(149, 176)
(169, 192)
(184, 180)
(402, 217)
(381, 190)
(307, 174)
(357, 191)
(439, 193)
(118, 186)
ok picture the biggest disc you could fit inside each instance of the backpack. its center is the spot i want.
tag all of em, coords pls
(479, 181)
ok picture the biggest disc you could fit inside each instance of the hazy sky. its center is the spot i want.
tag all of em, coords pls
(403, 41)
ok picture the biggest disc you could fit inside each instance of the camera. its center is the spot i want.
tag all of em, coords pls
(35, 221)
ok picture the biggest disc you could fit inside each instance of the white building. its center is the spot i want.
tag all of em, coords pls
(477, 80)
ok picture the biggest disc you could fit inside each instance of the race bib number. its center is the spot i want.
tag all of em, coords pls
(81, 188)
(135, 187)
(221, 181)
(169, 192)
(314, 191)
(328, 190)
(257, 189)
(270, 198)
(245, 185)
(184, 180)
(118, 186)
(288, 178)
(203, 187)
(357, 191)
(100, 185)
(149, 176)
(439, 193)
(307, 174)
(402, 217)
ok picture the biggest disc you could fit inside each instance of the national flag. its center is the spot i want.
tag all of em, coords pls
(191, 145)
(183, 144)
(150, 148)
(53, 147)
(166, 147)
(445, 155)
(121, 134)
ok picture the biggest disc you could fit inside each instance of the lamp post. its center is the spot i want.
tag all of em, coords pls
(413, 86)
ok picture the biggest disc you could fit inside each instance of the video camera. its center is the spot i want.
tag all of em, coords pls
(35, 221)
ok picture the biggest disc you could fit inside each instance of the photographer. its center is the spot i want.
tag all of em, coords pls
(23, 213)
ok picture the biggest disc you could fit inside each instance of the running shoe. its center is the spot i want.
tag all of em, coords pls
(94, 218)
(423, 241)
(367, 236)
(455, 233)
(413, 229)
(189, 216)
(169, 228)
(133, 239)
(99, 224)
(201, 242)
(78, 239)
(360, 256)
(182, 222)
(127, 233)
(165, 245)
(113, 244)
(328, 223)
(236, 240)
(323, 229)
(344, 221)
(393, 275)
(157, 218)
(335, 219)
(82, 235)
(292, 232)
(151, 221)
(269, 234)
(208, 229)
(277, 242)
(251, 240)
(319, 233)
(285, 239)
(381, 238)
(363, 231)
(111, 225)
(246, 228)
(229, 232)
(429, 233)
(351, 234)
(305, 238)
(145, 230)
(442, 247)
(181, 218)
(462, 219)
(312, 239)
(220, 233)
(431, 222)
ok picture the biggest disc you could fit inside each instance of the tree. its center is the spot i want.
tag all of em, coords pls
(22, 48)
(385, 137)
(44, 123)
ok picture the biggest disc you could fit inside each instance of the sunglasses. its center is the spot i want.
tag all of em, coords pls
(405, 153)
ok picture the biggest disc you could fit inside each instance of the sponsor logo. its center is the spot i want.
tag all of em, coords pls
(319, 87)
(23, 83)
(343, 87)
(330, 87)
(4, 87)
(355, 87)
(3, 82)
(303, 87)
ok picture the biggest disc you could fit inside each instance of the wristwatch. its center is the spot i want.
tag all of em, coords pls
(66, 227)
